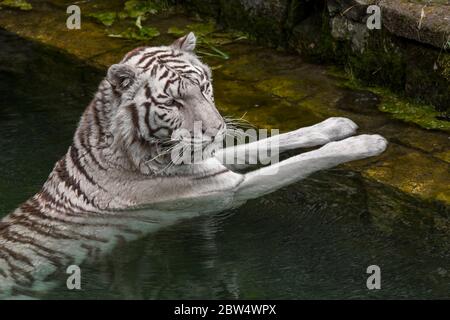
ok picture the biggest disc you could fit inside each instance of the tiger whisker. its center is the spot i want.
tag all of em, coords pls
(171, 162)
(163, 153)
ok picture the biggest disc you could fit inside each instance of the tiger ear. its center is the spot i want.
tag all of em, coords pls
(121, 76)
(186, 43)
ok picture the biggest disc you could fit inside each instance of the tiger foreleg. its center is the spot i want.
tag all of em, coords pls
(244, 155)
(268, 179)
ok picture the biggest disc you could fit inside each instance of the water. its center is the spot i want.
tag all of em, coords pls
(314, 239)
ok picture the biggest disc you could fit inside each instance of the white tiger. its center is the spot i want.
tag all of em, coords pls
(116, 181)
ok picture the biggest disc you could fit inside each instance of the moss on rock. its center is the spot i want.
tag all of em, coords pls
(16, 4)
(397, 105)
(381, 62)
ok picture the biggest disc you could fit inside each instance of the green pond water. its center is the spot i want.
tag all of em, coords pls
(314, 239)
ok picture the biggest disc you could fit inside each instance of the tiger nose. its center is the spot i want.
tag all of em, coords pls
(212, 131)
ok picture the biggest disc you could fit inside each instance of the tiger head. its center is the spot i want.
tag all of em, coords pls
(157, 92)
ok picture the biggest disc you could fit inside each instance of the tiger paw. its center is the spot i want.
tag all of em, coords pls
(358, 147)
(337, 128)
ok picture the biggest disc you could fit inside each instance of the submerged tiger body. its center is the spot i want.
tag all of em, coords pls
(117, 181)
(77, 212)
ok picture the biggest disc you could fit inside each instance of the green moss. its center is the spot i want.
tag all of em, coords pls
(200, 29)
(405, 171)
(137, 8)
(176, 31)
(408, 68)
(137, 11)
(380, 63)
(16, 4)
(444, 64)
(141, 34)
(283, 87)
(106, 18)
(419, 72)
(426, 77)
(400, 107)
(410, 111)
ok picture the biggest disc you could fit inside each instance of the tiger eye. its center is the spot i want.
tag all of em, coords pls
(170, 102)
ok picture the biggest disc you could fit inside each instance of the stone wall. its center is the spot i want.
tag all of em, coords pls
(409, 54)
(264, 19)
